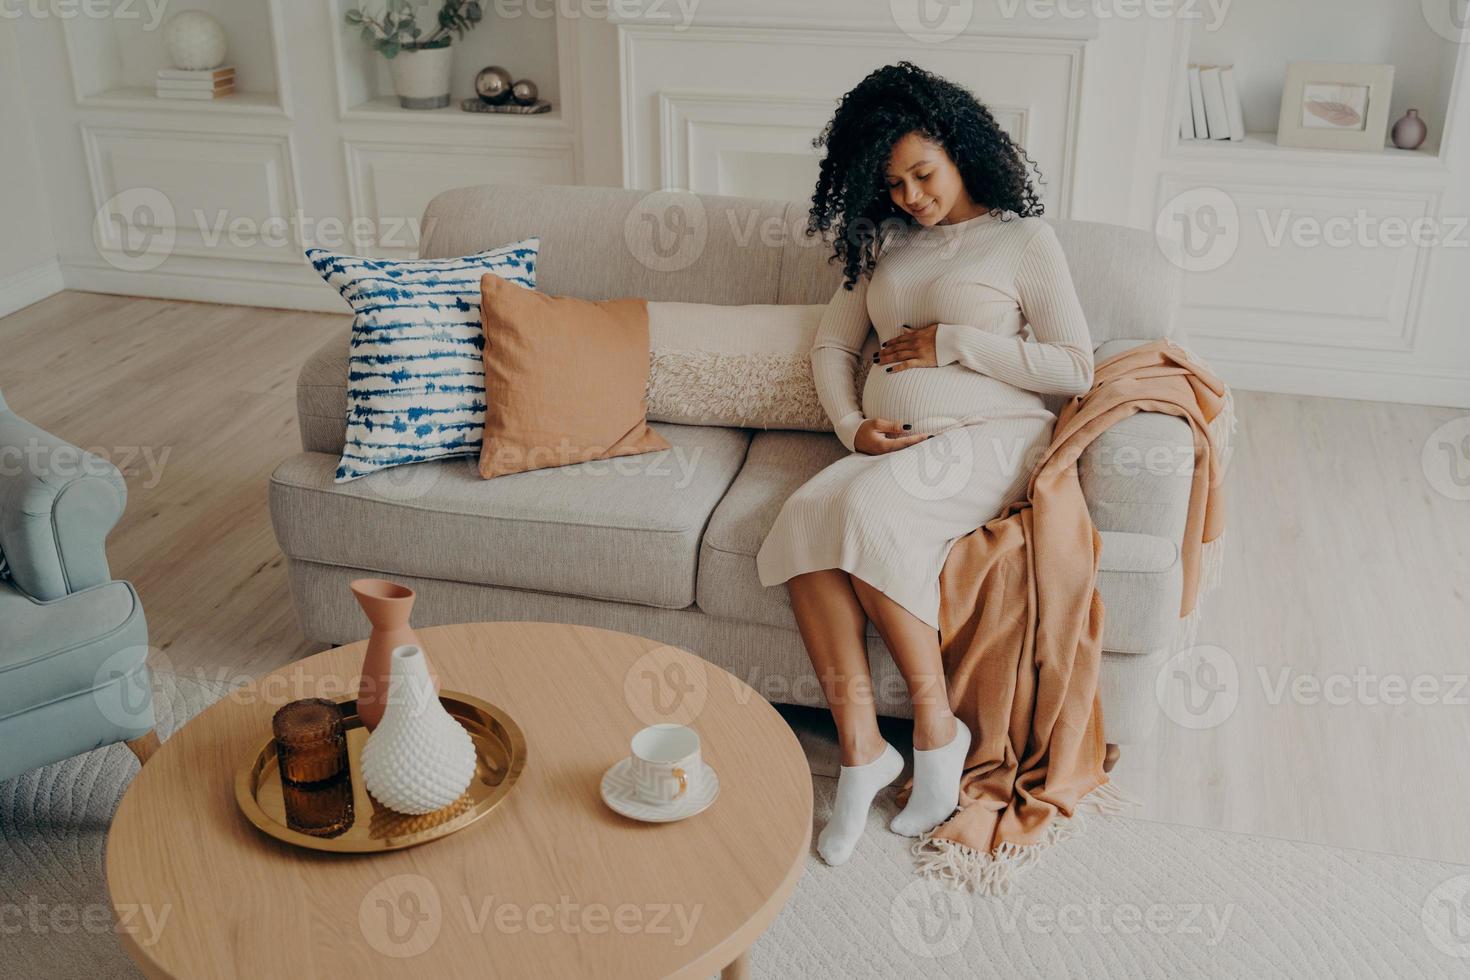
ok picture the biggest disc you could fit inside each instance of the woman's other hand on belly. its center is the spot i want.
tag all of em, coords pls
(911, 349)
(876, 436)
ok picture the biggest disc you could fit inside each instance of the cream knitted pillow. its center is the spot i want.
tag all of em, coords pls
(747, 366)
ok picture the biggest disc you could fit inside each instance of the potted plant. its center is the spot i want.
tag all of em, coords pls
(420, 58)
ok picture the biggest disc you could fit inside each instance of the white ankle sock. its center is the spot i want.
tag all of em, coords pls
(936, 789)
(856, 787)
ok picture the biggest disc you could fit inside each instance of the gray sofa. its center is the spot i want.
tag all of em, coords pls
(664, 544)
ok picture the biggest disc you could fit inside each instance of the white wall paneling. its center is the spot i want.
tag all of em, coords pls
(751, 129)
(29, 269)
(919, 20)
(754, 144)
(1332, 266)
(392, 183)
(229, 196)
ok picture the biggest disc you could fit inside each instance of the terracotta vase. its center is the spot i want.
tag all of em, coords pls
(387, 606)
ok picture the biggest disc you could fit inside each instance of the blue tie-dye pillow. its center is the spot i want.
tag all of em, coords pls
(415, 380)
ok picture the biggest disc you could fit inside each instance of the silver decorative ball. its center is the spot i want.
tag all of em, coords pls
(524, 92)
(195, 40)
(493, 85)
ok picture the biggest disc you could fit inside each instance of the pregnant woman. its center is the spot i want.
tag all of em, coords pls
(947, 258)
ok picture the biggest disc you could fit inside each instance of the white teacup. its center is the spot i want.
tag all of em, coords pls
(666, 763)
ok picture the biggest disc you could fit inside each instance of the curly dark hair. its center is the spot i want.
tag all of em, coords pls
(893, 101)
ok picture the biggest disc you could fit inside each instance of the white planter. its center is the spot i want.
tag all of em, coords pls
(421, 78)
(419, 759)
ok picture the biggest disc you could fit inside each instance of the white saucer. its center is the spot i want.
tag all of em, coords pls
(618, 793)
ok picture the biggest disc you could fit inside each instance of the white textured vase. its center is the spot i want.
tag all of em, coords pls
(418, 759)
(421, 77)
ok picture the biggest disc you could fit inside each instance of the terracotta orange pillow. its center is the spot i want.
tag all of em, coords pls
(564, 379)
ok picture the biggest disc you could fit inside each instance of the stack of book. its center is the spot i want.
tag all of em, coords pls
(183, 83)
(1210, 104)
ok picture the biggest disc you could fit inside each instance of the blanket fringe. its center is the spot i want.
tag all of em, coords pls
(956, 865)
(1107, 800)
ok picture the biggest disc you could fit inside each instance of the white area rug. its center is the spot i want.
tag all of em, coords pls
(1127, 899)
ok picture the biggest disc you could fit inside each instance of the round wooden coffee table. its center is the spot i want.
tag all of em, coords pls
(551, 883)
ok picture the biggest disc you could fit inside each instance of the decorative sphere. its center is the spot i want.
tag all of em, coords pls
(195, 40)
(493, 84)
(524, 92)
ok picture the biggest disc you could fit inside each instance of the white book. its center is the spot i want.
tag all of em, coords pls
(1232, 103)
(1186, 114)
(1197, 104)
(224, 71)
(1215, 115)
(203, 85)
(180, 94)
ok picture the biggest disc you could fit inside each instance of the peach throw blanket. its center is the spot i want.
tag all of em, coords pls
(1020, 626)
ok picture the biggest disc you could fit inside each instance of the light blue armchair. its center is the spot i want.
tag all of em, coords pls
(73, 642)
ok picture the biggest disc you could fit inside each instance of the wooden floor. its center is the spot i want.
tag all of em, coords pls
(1344, 566)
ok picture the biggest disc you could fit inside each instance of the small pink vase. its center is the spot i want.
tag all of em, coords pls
(387, 606)
(1410, 132)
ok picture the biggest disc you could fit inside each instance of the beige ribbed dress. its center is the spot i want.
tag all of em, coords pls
(890, 519)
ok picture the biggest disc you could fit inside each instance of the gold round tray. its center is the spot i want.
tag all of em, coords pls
(499, 744)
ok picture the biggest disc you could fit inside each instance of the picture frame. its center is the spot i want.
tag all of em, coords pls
(1328, 106)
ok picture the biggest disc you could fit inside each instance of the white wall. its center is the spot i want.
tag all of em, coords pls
(313, 146)
(28, 267)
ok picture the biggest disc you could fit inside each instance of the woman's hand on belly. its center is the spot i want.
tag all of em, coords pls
(877, 436)
(911, 349)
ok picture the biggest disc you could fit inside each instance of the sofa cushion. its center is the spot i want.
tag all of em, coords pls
(625, 529)
(1139, 574)
(68, 646)
(414, 375)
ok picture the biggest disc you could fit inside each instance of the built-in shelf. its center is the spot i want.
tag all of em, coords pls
(115, 60)
(1262, 148)
(524, 40)
(385, 108)
(257, 103)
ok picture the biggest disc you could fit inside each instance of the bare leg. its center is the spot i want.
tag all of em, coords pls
(915, 649)
(833, 626)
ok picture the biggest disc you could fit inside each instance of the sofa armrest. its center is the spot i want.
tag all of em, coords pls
(57, 505)
(321, 396)
(1137, 476)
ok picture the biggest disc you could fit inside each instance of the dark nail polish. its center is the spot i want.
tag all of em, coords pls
(907, 426)
(889, 368)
